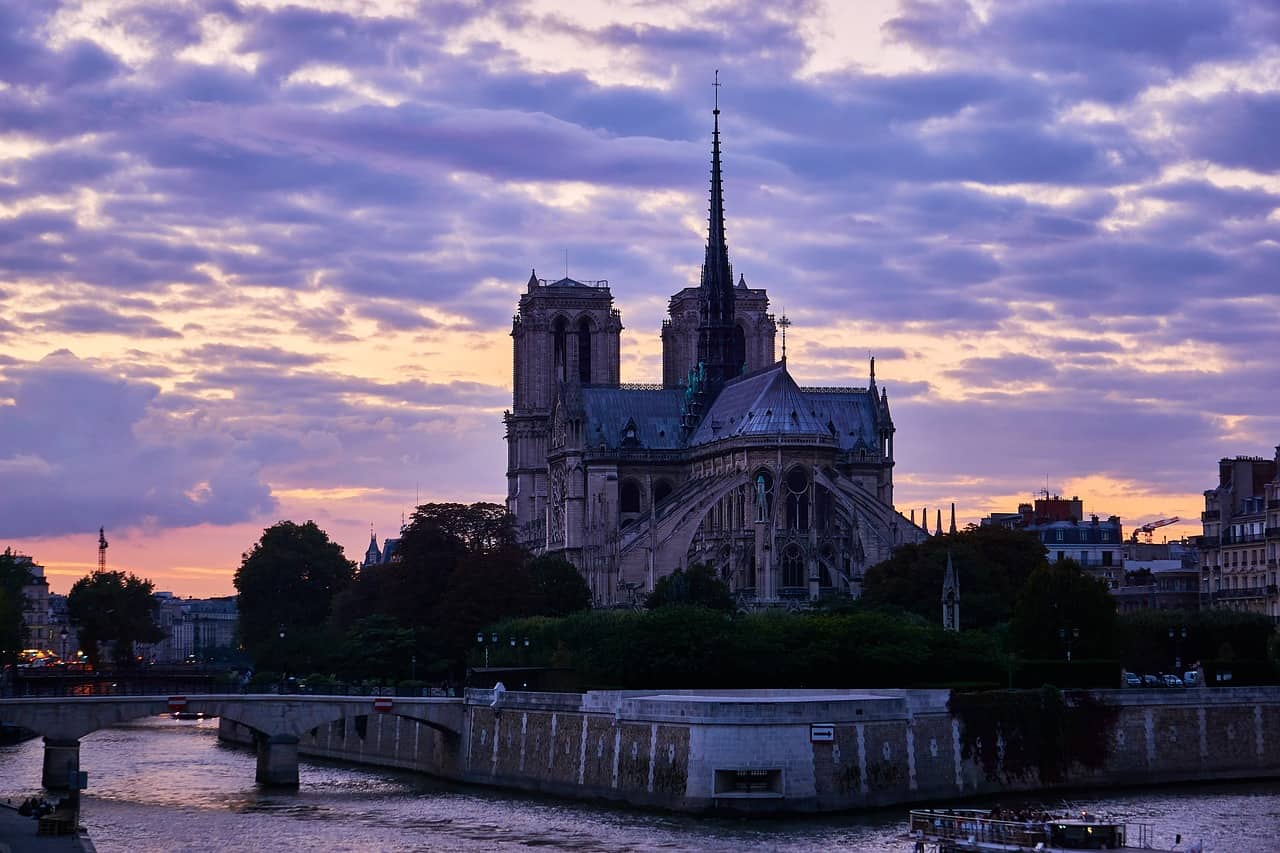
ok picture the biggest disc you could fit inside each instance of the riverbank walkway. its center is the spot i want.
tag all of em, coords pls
(18, 834)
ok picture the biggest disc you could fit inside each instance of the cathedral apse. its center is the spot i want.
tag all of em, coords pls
(785, 491)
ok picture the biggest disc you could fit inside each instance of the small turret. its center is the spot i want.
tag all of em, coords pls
(950, 598)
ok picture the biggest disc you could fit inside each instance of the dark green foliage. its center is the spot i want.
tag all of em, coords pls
(1064, 674)
(688, 646)
(287, 583)
(13, 577)
(116, 608)
(1061, 605)
(377, 647)
(1211, 635)
(1032, 734)
(456, 569)
(560, 587)
(993, 563)
(697, 586)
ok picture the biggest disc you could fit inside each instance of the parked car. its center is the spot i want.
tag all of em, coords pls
(1150, 681)
(1132, 679)
(1191, 678)
(1172, 680)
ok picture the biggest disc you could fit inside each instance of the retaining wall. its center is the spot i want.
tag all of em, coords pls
(773, 751)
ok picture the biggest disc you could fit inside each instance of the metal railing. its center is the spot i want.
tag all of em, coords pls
(1238, 538)
(1247, 592)
(974, 827)
(54, 691)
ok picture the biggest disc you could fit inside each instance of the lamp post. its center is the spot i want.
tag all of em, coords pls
(284, 665)
(1067, 636)
(413, 667)
(1176, 636)
(63, 636)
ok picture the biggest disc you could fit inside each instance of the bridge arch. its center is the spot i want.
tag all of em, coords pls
(278, 722)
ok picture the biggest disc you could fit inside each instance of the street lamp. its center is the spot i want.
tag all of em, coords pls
(284, 665)
(1176, 636)
(492, 640)
(413, 667)
(63, 635)
(1067, 636)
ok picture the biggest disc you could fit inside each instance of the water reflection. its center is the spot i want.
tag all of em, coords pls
(162, 785)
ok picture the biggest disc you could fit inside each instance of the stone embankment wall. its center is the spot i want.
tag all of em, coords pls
(776, 751)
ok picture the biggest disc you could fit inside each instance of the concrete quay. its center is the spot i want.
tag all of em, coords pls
(779, 751)
(18, 834)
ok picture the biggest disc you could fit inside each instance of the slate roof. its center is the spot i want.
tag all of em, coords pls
(763, 403)
(851, 411)
(656, 413)
(766, 402)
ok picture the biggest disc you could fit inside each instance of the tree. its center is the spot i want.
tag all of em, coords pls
(377, 646)
(993, 564)
(699, 585)
(287, 584)
(560, 586)
(13, 577)
(116, 608)
(1061, 607)
(457, 568)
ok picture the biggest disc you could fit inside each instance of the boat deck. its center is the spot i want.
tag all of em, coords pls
(955, 830)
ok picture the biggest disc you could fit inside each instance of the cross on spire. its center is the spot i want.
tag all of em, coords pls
(716, 84)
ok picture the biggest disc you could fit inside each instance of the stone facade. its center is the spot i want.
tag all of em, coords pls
(1240, 547)
(786, 492)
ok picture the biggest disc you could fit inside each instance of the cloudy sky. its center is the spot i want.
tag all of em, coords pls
(258, 260)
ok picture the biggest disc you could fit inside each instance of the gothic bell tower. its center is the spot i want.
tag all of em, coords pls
(565, 331)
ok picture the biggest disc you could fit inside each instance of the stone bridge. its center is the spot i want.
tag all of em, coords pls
(277, 722)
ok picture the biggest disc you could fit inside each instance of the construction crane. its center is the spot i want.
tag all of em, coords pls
(102, 549)
(1147, 529)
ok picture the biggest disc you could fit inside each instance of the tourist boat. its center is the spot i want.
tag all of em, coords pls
(977, 831)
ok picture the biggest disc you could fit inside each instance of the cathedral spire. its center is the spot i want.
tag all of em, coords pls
(716, 296)
(716, 274)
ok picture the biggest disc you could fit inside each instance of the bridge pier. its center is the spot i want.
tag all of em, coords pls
(61, 758)
(277, 760)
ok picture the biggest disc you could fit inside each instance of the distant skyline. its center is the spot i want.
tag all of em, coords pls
(258, 260)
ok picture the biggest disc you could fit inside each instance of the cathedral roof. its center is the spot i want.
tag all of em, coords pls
(654, 414)
(766, 402)
(850, 412)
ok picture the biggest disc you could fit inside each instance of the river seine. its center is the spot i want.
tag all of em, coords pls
(168, 785)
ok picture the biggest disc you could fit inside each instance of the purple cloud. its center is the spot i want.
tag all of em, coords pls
(83, 447)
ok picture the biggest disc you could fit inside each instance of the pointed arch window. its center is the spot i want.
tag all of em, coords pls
(560, 336)
(584, 351)
(797, 484)
(793, 566)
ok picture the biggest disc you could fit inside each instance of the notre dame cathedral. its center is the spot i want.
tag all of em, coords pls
(786, 491)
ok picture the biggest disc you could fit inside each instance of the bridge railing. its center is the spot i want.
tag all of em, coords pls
(135, 684)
